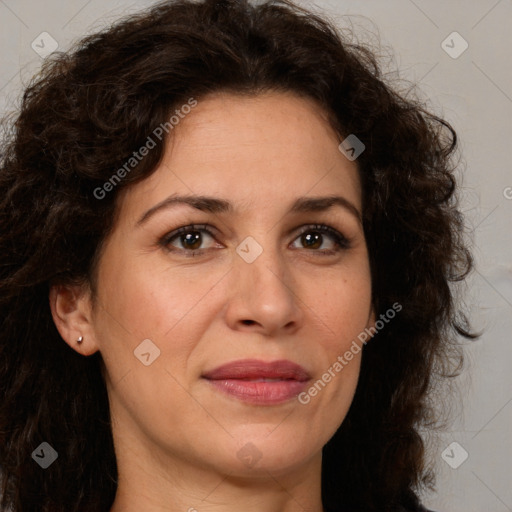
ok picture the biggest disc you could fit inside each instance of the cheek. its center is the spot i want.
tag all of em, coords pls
(344, 305)
(151, 300)
(143, 300)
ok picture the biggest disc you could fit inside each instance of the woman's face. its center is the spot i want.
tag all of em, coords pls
(253, 279)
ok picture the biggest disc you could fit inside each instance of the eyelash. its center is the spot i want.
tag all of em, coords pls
(341, 241)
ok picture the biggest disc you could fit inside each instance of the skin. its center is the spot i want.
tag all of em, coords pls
(176, 437)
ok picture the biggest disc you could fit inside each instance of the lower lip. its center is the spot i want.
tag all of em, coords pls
(260, 392)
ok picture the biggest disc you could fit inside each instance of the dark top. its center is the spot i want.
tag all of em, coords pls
(411, 506)
(418, 508)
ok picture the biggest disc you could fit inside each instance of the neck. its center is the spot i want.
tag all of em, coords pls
(173, 485)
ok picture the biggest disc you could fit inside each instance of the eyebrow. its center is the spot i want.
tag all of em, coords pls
(217, 205)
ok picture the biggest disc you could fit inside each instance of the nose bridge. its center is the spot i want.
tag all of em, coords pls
(263, 266)
(264, 284)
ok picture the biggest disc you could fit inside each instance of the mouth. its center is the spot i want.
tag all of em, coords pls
(259, 382)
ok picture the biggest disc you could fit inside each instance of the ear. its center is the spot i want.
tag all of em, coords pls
(71, 308)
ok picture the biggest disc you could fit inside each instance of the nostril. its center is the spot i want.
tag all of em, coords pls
(248, 322)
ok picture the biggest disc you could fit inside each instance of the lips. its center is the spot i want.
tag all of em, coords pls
(259, 382)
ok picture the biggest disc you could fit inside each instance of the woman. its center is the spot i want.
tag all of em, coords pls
(227, 249)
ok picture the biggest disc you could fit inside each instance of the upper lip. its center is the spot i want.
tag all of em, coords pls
(256, 369)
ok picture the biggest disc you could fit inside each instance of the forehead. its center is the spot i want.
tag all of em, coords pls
(224, 123)
(254, 150)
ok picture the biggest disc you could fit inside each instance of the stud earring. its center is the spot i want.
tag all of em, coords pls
(79, 340)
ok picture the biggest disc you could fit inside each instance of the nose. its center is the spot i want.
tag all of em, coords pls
(263, 296)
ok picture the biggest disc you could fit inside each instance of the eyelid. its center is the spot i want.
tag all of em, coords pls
(343, 241)
(165, 240)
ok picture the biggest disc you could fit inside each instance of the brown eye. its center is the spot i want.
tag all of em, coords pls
(314, 237)
(312, 240)
(192, 240)
(187, 239)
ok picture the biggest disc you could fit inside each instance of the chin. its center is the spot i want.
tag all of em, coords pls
(270, 448)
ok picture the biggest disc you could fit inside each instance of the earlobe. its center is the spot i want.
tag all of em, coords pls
(71, 312)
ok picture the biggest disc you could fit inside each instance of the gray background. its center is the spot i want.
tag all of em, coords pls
(474, 92)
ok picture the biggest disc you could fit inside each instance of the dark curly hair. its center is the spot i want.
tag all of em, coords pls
(84, 115)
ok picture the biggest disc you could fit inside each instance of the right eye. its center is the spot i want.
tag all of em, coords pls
(187, 240)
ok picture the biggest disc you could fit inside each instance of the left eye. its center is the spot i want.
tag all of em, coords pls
(313, 237)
